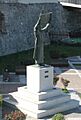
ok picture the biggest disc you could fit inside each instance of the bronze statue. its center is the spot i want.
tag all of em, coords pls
(40, 27)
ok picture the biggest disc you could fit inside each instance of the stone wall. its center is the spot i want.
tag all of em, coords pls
(73, 18)
(19, 22)
(21, 18)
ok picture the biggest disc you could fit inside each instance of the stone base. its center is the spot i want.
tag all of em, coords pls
(39, 78)
(41, 104)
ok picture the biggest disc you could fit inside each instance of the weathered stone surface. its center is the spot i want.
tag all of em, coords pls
(21, 18)
(19, 22)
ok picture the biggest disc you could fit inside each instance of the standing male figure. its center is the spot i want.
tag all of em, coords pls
(40, 27)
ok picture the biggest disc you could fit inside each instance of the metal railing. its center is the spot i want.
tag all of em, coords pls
(71, 1)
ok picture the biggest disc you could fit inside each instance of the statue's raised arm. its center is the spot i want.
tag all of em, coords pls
(41, 25)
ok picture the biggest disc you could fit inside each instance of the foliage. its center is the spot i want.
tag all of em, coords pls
(65, 90)
(54, 54)
(13, 60)
(1, 100)
(58, 116)
(17, 115)
(55, 80)
(65, 49)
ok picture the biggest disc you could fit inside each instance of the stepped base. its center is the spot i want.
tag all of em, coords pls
(47, 112)
(39, 105)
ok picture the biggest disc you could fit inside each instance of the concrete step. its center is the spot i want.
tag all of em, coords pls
(43, 104)
(39, 104)
(50, 111)
(46, 112)
(41, 95)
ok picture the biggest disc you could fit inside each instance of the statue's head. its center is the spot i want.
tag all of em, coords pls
(45, 18)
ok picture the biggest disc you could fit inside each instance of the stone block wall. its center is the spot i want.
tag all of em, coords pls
(19, 22)
(73, 18)
(21, 18)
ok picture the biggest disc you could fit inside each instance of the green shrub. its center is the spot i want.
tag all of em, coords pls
(65, 90)
(58, 116)
(54, 54)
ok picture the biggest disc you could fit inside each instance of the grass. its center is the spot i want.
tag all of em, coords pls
(25, 57)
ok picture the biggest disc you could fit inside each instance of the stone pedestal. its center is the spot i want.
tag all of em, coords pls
(39, 78)
(39, 99)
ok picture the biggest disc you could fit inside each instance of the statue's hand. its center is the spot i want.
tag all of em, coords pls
(45, 26)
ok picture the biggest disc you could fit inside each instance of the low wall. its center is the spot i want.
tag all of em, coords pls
(28, 1)
(7, 87)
